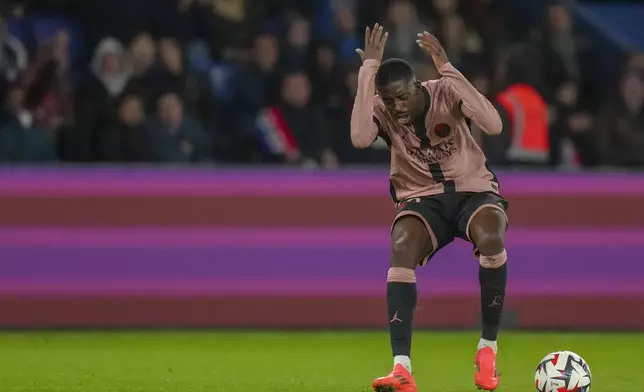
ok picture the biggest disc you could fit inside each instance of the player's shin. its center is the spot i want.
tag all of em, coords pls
(401, 303)
(493, 280)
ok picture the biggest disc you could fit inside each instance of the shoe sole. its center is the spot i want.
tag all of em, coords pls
(482, 388)
(384, 388)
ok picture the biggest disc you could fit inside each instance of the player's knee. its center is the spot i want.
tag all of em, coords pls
(403, 253)
(489, 243)
(410, 242)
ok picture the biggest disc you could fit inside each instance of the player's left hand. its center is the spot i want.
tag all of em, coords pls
(431, 45)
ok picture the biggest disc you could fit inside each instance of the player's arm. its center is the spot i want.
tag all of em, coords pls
(472, 104)
(364, 127)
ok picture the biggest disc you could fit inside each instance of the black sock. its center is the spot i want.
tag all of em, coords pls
(401, 303)
(493, 282)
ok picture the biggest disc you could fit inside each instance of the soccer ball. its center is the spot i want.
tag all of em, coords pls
(563, 371)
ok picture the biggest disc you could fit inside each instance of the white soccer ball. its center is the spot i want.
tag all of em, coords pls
(563, 371)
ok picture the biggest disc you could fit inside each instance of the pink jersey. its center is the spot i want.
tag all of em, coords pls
(438, 154)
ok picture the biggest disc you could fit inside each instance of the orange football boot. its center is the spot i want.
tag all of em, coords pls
(399, 380)
(486, 377)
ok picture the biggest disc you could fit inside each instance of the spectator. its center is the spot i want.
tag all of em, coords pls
(403, 30)
(454, 37)
(191, 87)
(258, 81)
(172, 75)
(563, 53)
(256, 87)
(95, 95)
(296, 44)
(570, 143)
(486, 18)
(143, 81)
(195, 91)
(465, 46)
(19, 141)
(13, 57)
(175, 137)
(346, 36)
(620, 126)
(329, 91)
(124, 140)
(50, 96)
(294, 131)
(524, 112)
(326, 75)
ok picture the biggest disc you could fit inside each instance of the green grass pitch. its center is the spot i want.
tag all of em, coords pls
(286, 361)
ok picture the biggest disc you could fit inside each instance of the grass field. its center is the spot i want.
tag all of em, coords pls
(285, 362)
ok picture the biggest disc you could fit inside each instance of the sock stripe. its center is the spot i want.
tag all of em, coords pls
(401, 275)
(495, 261)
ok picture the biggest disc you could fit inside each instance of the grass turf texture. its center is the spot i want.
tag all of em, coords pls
(287, 361)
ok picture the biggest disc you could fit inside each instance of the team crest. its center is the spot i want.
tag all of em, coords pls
(442, 130)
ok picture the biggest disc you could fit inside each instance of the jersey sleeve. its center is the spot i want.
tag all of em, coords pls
(472, 104)
(366, 116)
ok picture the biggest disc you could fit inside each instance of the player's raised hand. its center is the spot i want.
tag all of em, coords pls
(374, 43)
(431, 45)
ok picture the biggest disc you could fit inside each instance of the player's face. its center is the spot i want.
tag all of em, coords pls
(401, 100)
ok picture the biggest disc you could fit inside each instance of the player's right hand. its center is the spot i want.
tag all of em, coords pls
(374, 43)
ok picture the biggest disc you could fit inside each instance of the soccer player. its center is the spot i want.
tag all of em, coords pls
(441, 185)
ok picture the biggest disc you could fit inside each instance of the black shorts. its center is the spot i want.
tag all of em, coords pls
(448, 216)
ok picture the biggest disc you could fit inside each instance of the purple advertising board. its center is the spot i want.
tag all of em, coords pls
(326, 262)
(366, 182)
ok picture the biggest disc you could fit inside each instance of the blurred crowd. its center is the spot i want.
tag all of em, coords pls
(272, 81)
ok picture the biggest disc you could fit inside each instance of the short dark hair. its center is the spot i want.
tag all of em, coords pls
(394, 70)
